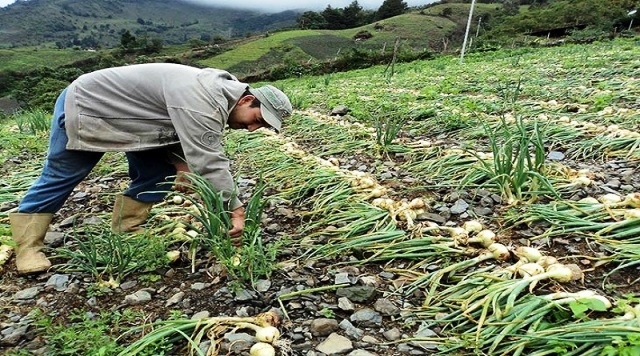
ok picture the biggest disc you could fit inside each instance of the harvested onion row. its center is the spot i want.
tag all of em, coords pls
(213, 328)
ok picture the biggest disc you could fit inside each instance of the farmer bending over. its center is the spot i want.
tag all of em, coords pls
(154, 113)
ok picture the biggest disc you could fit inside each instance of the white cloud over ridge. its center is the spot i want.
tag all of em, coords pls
(283, 5)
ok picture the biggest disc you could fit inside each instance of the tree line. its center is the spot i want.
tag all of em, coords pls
(350, 16)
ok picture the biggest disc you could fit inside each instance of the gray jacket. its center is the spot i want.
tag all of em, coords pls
(148, 106)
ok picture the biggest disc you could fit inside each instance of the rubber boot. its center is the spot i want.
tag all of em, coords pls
(129, 214)
(28, 233)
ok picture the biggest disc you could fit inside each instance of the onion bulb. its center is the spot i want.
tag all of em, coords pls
(582, 180)
(589, 200)
(609, 199)
(500, 252)
(530, 269)
(416, 203)
(262, 349)
(173, 255)
(458, 233)
(630, 214)
(529, 254)
(268, 334)
(632, 200)
(485, 238)
(546, 261)
(560, 272)
(472, 226)
(177, 200)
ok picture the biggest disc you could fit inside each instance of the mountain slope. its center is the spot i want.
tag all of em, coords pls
(74, 22)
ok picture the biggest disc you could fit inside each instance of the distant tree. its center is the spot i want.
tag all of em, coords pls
(511, 7)
(128, 41)
(311, 20)
(334, 18)
(390, 8)
(352, 15)
(140, 21)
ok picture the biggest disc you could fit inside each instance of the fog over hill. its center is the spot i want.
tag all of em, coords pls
(282, 5)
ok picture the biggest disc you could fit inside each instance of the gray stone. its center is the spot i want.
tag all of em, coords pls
(459, 207)
(342, 278)
(392, 334)
(200, 315)
(555, 156)
(335, 344)
(425, 333)
(323, 326)
(366, 317)
(28, 293)
(361, 353)
(245, 294)
(386, 307)
(339, 110)
(200, 286)
(139, 297)
(13, 334)
(263, 285)
(54, 238)
(175, 299)
(345, 304)
(359, 294)
(58, 282)
(351, 330)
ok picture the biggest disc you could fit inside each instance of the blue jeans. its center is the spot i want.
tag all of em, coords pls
(64, 169)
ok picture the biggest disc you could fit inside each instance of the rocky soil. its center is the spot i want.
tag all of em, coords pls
(342, 307)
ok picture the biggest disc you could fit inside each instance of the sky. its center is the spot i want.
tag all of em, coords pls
(281, 5)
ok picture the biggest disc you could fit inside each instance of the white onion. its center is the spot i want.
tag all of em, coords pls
(582, 180)
(417, 203)
(177, 200)
(262, 349)
(500, 252)
(530, 269)
(546, 261)
(268, 334)
(458, 233)
(589, 200)
(173, 255)
(472, 226)
(632, 200)
(560, 272)
(609, 199)
(529, 254)
(485, 238)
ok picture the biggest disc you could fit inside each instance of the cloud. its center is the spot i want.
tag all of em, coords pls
(282, 5)
(313, 5)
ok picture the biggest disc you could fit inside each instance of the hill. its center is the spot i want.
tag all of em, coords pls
(426, 30)
(100, 23)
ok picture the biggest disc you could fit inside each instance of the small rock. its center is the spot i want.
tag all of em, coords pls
(323, 326)
(335, 344)
(351, 330)
(28, 293)
(137, 298)
(366, 317)
(345, 304)
(358, 294)
(386, 307)
(459, 207)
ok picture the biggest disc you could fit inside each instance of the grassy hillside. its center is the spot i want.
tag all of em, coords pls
(426, 30)
(64, 22)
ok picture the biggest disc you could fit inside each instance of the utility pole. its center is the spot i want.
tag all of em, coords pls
(466, 33)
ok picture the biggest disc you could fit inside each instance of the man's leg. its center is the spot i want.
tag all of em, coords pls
(149, 172)
(62, 172)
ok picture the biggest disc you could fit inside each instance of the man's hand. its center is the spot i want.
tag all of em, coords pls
(181, 179)
(237, 222)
